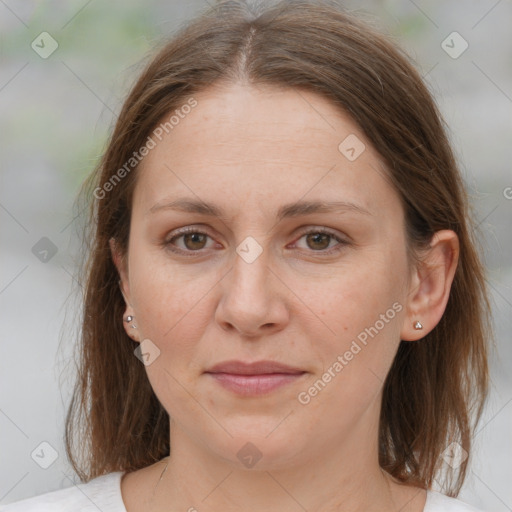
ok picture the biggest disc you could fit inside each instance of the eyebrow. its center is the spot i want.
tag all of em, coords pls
(296, 209)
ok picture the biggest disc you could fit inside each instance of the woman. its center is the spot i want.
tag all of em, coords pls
(285, 308)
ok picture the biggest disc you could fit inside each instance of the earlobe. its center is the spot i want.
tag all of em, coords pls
(430, 286)
(130, 327)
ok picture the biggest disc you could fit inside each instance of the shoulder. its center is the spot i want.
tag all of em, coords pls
(437, 502)
(101, 493)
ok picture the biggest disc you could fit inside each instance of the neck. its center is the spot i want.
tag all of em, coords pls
(347, 479)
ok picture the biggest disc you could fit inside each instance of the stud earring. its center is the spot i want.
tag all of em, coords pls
(129, 319)
(417, 325)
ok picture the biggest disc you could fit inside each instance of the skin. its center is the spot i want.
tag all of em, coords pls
(249, 151)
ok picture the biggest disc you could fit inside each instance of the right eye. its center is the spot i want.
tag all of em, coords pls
(187, 240)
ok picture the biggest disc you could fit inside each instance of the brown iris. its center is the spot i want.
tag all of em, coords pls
(318, 238)
(197, 240)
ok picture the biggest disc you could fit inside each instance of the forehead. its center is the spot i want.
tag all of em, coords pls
(262, 144)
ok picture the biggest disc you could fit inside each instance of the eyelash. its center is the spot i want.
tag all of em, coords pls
(190, 253)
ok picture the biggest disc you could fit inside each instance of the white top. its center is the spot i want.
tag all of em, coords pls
(104, 493)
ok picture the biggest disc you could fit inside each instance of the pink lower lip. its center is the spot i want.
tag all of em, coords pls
(251, 385)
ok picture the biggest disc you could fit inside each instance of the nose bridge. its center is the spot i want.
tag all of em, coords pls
(252, 255)
(249, 300)
(250, 276)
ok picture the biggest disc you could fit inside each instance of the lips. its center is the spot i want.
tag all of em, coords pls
(252, 379)
(256, 368)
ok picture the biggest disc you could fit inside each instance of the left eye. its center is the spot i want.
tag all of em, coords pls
(320, 240)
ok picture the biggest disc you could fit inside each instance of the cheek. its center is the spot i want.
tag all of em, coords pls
(354, 297)
(172, 312)
(168, 300)
(354, 364)
(362, 309)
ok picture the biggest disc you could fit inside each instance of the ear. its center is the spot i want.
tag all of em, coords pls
(124, 285)
(430, 285)
(120, 264)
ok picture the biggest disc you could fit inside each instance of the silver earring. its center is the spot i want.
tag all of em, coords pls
(128, 319)
(417, 325)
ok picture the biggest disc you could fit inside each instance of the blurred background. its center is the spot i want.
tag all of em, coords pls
(65, 67)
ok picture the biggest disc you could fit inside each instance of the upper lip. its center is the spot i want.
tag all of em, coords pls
(255, 368)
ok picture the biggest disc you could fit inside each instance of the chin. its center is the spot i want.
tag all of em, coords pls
(259, 446)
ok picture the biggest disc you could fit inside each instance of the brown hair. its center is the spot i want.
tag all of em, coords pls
(436, 388)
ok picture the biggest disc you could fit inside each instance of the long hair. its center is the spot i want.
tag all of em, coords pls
(435, 390)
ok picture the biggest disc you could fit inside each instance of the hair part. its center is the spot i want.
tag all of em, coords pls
(436, 387)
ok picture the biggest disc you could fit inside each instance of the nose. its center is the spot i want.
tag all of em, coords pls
(253, 300)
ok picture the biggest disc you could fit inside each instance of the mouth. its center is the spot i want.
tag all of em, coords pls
(252, 379)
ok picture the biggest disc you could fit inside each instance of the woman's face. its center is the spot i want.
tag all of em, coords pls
(298, 257)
